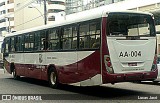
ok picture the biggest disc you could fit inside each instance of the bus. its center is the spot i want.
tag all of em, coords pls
(87, 49)
(1, 54)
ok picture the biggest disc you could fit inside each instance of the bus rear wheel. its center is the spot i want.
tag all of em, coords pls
(53, 78)
(15, 76)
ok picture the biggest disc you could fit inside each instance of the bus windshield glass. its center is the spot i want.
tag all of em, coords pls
(130, 24)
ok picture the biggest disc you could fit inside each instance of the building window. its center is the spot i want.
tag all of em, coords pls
(2, 20)
(54, 10)
(117, 1)
(11, 10)
(2, 12)
(56, 2)
(11, 18)
(1, 4)
(10, 1)
(52, 18)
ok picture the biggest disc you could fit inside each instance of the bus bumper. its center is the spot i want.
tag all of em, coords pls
(130, 77)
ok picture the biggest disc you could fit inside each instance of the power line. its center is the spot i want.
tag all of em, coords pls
(30, 20)
(24, 6)
(21, 8)
(18, 9)
(44, 15)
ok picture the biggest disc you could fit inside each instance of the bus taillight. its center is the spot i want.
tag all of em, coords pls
(107, 58)
(108, 64)
(154, 65)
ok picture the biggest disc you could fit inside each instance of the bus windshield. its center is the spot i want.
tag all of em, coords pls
(130, 24)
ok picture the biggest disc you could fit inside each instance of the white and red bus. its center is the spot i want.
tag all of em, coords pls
(91, 49)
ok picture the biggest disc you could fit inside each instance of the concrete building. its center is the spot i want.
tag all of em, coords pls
(30, 13)
(6, 16)
(73, 6)
(152, 6)
(56, 10)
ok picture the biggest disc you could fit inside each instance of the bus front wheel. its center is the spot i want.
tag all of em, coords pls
(53, 78)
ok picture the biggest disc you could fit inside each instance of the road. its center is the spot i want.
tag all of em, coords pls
(119, 93)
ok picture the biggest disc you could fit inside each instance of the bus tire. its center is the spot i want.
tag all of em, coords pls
(15, 76)
(53, 78)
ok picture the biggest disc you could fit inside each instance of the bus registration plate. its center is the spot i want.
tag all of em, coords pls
(132, 64)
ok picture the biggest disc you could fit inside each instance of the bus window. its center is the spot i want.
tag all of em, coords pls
(130, 25)
(19, 43)
(31, 42)
(53, 39)
(46, 43)
(26, 44)
(95, 28)
(84, 36)
(74, 42)
(39, 42)
(7, 43)
(89, 34)
(42, 40)
(67, 38)
(12, 44)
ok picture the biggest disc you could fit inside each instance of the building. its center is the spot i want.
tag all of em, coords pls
(17, 15)
(152, 6)
(6, 16)
(55, 10)
(73, 6)
(31, 13)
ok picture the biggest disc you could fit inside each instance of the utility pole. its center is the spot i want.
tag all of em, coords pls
(45, 13)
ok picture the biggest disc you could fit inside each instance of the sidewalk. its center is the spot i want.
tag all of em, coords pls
(1, 71)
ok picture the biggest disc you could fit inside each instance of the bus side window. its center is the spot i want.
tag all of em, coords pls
(37, 44)
(45, 44)
(87, 40)
(81, 43)
(89, 33)
(96, 44)
(69, 39)
(6, 45)
(74, 40)
(66, 44)
(53, 39)
(84, 36)
(12, 44)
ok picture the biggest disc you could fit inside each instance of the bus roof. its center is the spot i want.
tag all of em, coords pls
(75, 18)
